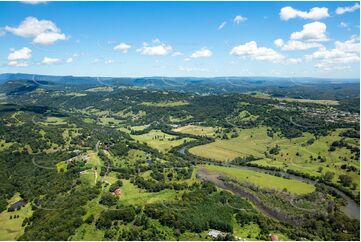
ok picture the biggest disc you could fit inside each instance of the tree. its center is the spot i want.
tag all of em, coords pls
(345, 180)
(328, 176)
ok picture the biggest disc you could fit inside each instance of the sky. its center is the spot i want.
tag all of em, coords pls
(134, 39)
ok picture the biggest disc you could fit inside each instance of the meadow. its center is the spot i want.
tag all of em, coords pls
(159, 140)
(262, 180)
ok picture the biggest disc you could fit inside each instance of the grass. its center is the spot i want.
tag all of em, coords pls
(100, 89)
(11, 229)
(262, 179)
(248, 231)
(249, 142)
(288, 99)
(131, 194)
(196, 130)
(288, 158)
(159, 140)
(4, 145)
(165, 104)
(54, 121)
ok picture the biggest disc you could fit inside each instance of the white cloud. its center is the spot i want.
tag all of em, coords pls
(42, 31)
(202, 53)
(48, 38)
(239, 19)
(2, 33)
(343, 25)
(122, 47)
(342, 10)
(279, 43)
(33, 1)
(21, 54)
(50, 61)
(69, 60)
(296, 45)
(312, 32)
(158, 48)
(316, 13)
(251, 50)
(343, 53)
(352, 45)
(177, 53)
(222, 25)
(18, 64)
(294, 60)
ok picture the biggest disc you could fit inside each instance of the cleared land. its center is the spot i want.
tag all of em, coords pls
(262, 179)
(11, 229)
(196, 130)
(249, 142)
(288, 99)
(159, 140)
(165, 104)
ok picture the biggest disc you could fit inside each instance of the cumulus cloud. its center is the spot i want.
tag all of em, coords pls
(342, 10)
(21, 54)
(202, 53)
(279, 43)
(296, 45)
(50, 61)
(222, 25)
(251, 50)
(43, 32)
(18, 64)
(239, 19)
(343, 53)
(156, 48)
(294, 60)
(312, 32)
(351, 45)
(122, 47)
(316, 13)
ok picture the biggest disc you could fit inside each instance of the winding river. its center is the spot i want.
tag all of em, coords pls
(351, 209)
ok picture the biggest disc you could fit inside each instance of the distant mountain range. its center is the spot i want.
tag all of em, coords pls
(19, 83)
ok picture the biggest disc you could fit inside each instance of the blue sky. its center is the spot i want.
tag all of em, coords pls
(318, 39)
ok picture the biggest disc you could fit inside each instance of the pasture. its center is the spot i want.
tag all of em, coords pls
(159, 140)
(262, 180)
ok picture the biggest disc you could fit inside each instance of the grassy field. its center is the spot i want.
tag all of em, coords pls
(263, 180)
(159, 140)
(287, 99)
(11, 229)
(294, 153)
(133, 195)
(54, 121)
(288, 158)
(249, 142)
(196, 130)
(165, 104)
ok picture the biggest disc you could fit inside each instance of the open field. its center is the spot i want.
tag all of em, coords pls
(196, 130)
(11, 229)
(165, 104)
(249, 142)
(159, 140)
(287, 99)
(263, 180)
(133, 195)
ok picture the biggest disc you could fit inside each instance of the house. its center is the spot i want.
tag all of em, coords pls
(214, 233)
